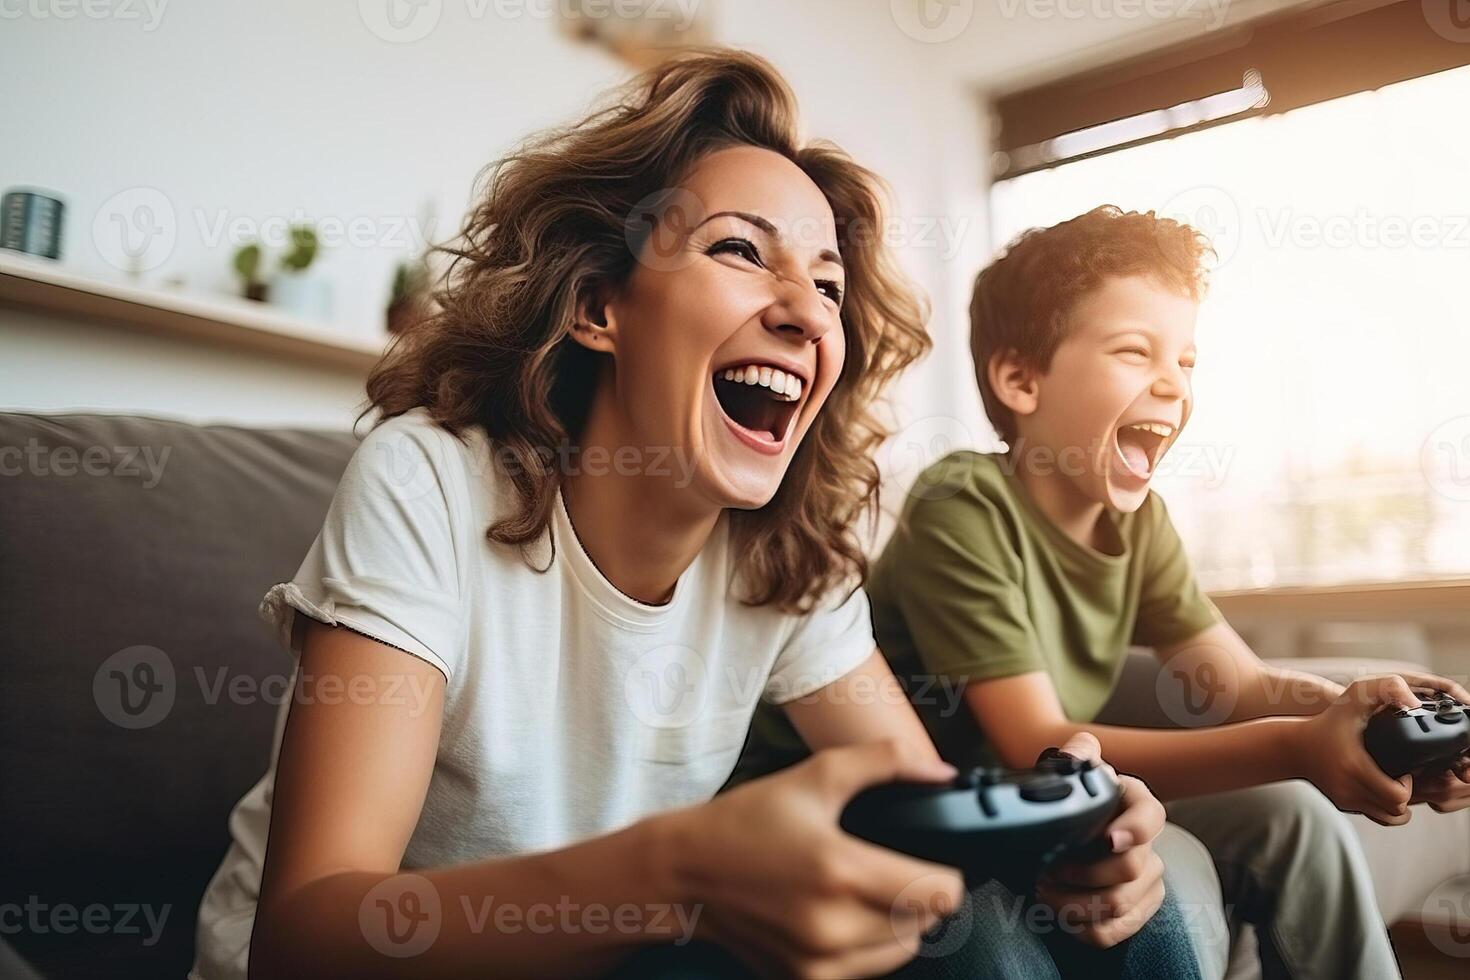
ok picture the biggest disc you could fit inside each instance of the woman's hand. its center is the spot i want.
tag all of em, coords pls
(781, 885)
(1105, 901)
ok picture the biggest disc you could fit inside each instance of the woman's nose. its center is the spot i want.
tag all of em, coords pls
(800, 312)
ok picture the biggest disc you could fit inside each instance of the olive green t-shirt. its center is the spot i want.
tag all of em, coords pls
(977, 584)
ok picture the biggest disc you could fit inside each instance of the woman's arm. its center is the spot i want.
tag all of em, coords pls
(763, 869)
(866, 704)
(350, 782)
(1110, 898)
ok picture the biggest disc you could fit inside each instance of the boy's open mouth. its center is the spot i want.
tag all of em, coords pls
(1140, 445)
(760, 399)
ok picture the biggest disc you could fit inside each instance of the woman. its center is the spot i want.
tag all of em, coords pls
(650, 380)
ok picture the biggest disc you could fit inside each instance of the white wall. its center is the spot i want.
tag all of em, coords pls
(226, 117)
(221, 113)
(252, 113)
(50, 364)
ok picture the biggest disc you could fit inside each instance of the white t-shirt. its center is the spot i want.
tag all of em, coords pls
(570, 709)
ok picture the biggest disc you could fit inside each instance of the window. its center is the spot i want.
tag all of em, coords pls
(1330, 441)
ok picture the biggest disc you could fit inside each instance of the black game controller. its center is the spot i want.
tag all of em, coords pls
(1005, 824)
(1431, 736)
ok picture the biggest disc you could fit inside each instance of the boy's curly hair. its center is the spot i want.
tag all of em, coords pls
(1023, 300)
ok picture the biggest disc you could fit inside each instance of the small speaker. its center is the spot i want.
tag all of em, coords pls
(31, 223)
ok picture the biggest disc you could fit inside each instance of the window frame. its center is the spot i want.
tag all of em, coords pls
(1302, 57)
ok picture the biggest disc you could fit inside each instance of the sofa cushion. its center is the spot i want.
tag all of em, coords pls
(139, 686)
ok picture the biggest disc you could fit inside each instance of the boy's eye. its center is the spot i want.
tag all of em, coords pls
(1135, 351)
(742, 247)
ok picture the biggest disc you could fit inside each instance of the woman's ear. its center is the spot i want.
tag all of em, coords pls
(594, 324)
(1014, 381)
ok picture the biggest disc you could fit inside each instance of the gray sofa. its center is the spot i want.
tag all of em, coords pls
(139, 688)
(128, 545)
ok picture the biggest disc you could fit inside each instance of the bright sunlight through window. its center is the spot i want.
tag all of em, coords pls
(1330, 441)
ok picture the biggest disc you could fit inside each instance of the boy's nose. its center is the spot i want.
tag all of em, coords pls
(1172, 383)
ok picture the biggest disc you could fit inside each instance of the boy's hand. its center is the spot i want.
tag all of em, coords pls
(782, 886)
(1110, 899)
(1446, 790)
(1330, 750)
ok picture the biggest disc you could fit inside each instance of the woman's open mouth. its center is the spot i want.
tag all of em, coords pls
(759, 403)
(1140, 446)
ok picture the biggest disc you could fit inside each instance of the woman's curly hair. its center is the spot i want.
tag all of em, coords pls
(551, 226)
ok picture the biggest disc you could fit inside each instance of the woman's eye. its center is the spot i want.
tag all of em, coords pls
(831, 290)
(737, 246)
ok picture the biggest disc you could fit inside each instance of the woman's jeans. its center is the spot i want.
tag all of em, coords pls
(995, 934)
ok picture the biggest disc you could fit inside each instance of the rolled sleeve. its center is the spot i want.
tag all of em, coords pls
(384, 562)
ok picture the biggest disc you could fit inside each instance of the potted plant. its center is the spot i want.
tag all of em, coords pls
(303, 249)
(247, 267)
(295, 290)
(409, 300)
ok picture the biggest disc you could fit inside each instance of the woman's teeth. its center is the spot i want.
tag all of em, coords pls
(779, 382)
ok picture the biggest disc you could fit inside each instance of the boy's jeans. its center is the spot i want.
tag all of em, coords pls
(1291, 865)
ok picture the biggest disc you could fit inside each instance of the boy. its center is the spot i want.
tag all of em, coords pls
(1014, 584)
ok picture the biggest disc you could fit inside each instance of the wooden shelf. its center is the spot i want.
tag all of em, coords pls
(1432, 599)
(47, 287)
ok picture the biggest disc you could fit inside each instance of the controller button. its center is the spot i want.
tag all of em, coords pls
(1451, 716)
(1045, 789)
(1423, 723)
(1055, 760)
(1089, 781)
(987, 804)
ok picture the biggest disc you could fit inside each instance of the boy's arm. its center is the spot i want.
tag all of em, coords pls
(1260, 689)
(1326, 748)
(1174, 763)
(1217, 659)
(1217, 678)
